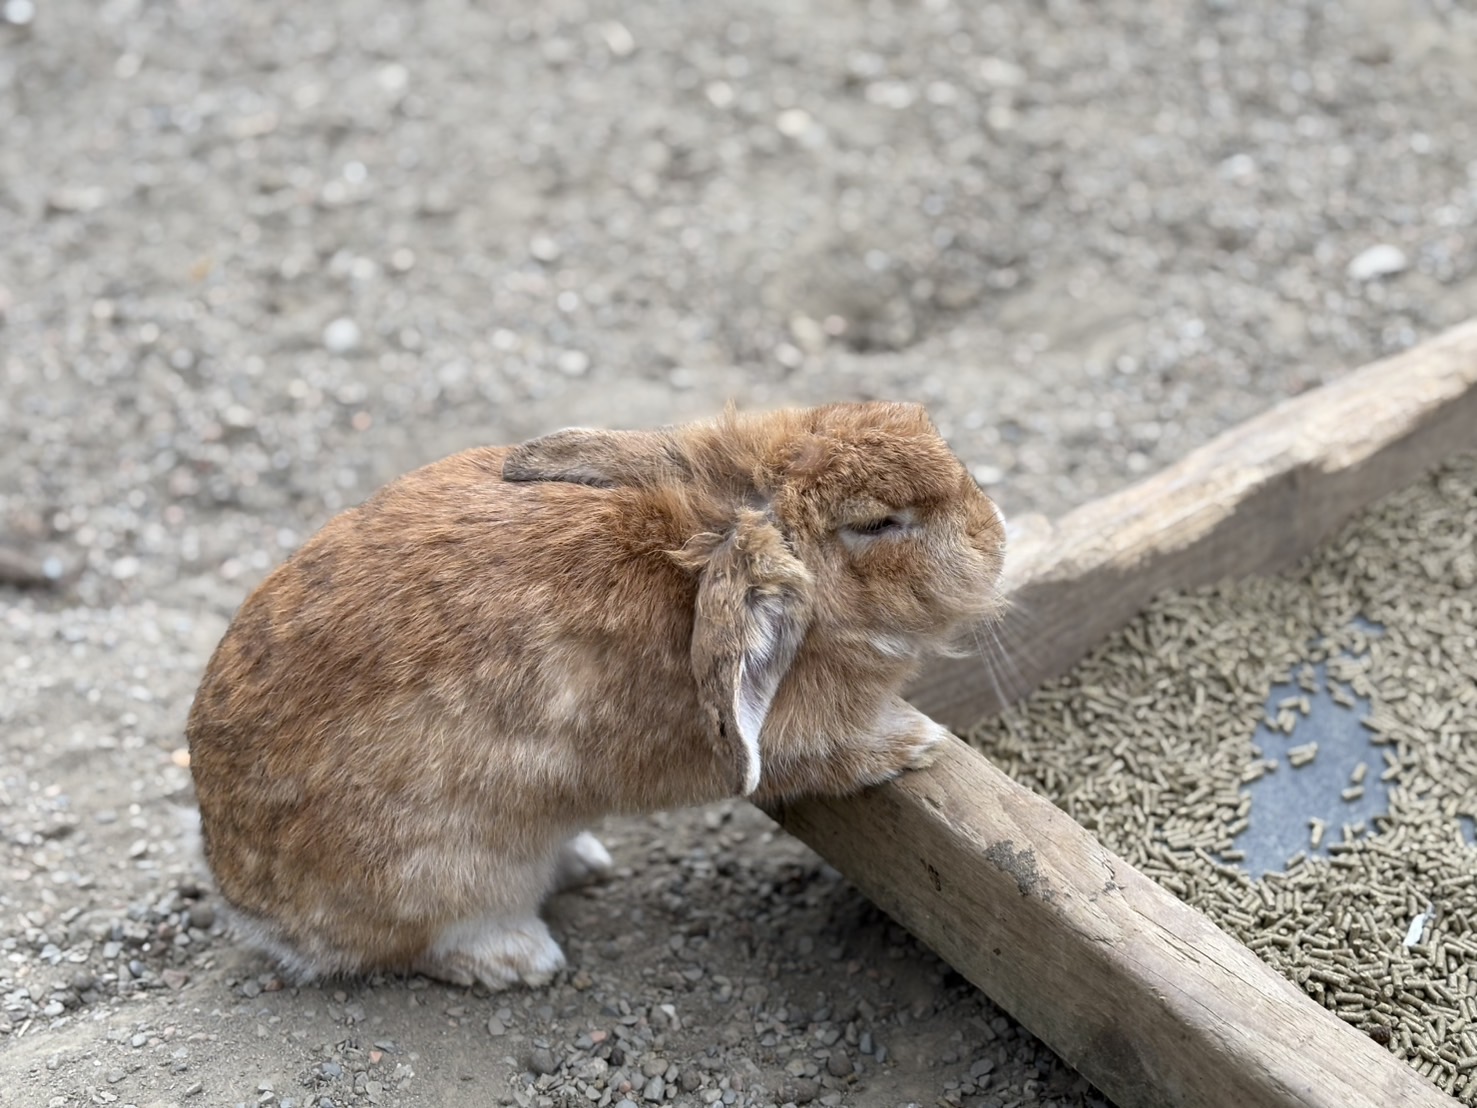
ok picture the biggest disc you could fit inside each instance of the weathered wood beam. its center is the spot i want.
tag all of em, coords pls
(1136, 990)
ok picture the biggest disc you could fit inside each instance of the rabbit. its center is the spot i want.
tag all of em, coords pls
(402, 739)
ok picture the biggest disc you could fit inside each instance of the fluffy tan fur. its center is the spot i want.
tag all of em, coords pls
(408, 718)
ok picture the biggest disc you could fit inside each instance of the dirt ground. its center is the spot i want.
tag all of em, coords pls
(257, 258)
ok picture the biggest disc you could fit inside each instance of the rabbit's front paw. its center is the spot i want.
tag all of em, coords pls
(924, 745)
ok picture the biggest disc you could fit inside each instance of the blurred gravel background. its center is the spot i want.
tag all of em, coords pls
(255, 259)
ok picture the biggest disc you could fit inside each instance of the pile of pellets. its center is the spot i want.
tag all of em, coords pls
(1150, 742)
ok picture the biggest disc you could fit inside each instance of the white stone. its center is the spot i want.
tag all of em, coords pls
(573, 363)
(19, 12)
(793, 122)
(341, 336)
(1384, 260)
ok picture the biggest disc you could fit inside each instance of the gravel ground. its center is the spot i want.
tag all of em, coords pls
(255, 259)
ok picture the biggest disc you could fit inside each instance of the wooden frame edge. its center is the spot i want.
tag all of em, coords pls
(1139, 992)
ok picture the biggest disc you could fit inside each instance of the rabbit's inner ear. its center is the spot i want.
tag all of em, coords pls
(751, 615)
(770, 647)
(603, 459)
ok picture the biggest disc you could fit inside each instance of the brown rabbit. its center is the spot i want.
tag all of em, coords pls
(401, 738)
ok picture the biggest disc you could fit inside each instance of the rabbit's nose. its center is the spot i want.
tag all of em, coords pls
(987, 522)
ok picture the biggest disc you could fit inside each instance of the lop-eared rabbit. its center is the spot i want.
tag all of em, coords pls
(402, 739)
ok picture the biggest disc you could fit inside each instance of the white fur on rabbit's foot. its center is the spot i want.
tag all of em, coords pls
(583, 860)
(497, 953)
(913, 738)
(926, 748)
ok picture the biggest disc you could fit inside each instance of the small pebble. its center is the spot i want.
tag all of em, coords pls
(341, 336)
(18, 12)
(573, 363)
(202, 916)
(1379, 261)
(803, 1090)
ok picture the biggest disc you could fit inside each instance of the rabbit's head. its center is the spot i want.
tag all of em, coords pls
(850, 531)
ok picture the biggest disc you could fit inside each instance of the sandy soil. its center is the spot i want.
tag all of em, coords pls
(255, 259)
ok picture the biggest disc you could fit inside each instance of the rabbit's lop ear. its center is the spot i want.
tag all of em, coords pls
(604, 459)
(753, 606)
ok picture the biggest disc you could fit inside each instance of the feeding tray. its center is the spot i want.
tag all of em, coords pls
(1141, 993)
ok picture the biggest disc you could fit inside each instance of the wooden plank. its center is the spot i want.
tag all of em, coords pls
(1254, 500)
(1142, 994)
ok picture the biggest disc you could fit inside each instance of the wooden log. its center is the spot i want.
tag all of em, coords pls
(1142, 994)
(1254, 500)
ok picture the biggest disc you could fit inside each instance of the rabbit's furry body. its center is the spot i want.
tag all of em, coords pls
(399, 742)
